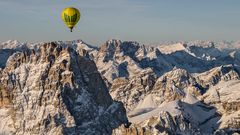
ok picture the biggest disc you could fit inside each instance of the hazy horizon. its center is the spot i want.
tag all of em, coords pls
(153, 21)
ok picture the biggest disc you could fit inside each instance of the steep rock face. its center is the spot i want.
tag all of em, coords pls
(8, 48)
(178, 84)
(215, 75)
(163, 124)
(208, 53)
(10, 44)
(127, 59)
(185, 88)
(186, 116)
(131, 91)
(54, 90)
(225, 96)
(4, 55)
(82, 48)
(169, 87)
(174, 85)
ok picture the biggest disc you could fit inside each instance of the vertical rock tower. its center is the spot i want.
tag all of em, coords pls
(55, 90)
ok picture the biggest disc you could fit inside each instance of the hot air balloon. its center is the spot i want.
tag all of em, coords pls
(70, 17)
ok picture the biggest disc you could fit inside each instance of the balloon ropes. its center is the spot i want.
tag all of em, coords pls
(70, 17)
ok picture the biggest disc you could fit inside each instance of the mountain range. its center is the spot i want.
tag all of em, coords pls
(120, 87)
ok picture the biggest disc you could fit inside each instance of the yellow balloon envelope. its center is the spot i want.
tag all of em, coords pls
(70, 17)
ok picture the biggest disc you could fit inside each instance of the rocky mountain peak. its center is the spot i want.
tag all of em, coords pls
(215, 75)
(52, 90)
(55, 88)
(10, 44)
(112, 49)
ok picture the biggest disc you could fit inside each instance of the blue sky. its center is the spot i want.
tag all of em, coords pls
(146, 21)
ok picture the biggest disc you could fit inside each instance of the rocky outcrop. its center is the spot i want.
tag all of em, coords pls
(131, 91)
(169, 87)
(164, 124)
(55, 90)
(127, 59)
(118, 58)
(174, 85)
(224, 96)
(186, 116)
(4, 55)
(215, 75)
(178, 84)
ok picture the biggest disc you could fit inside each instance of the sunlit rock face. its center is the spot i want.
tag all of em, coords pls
(196, 94)
(178, 88)
(53, 89)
